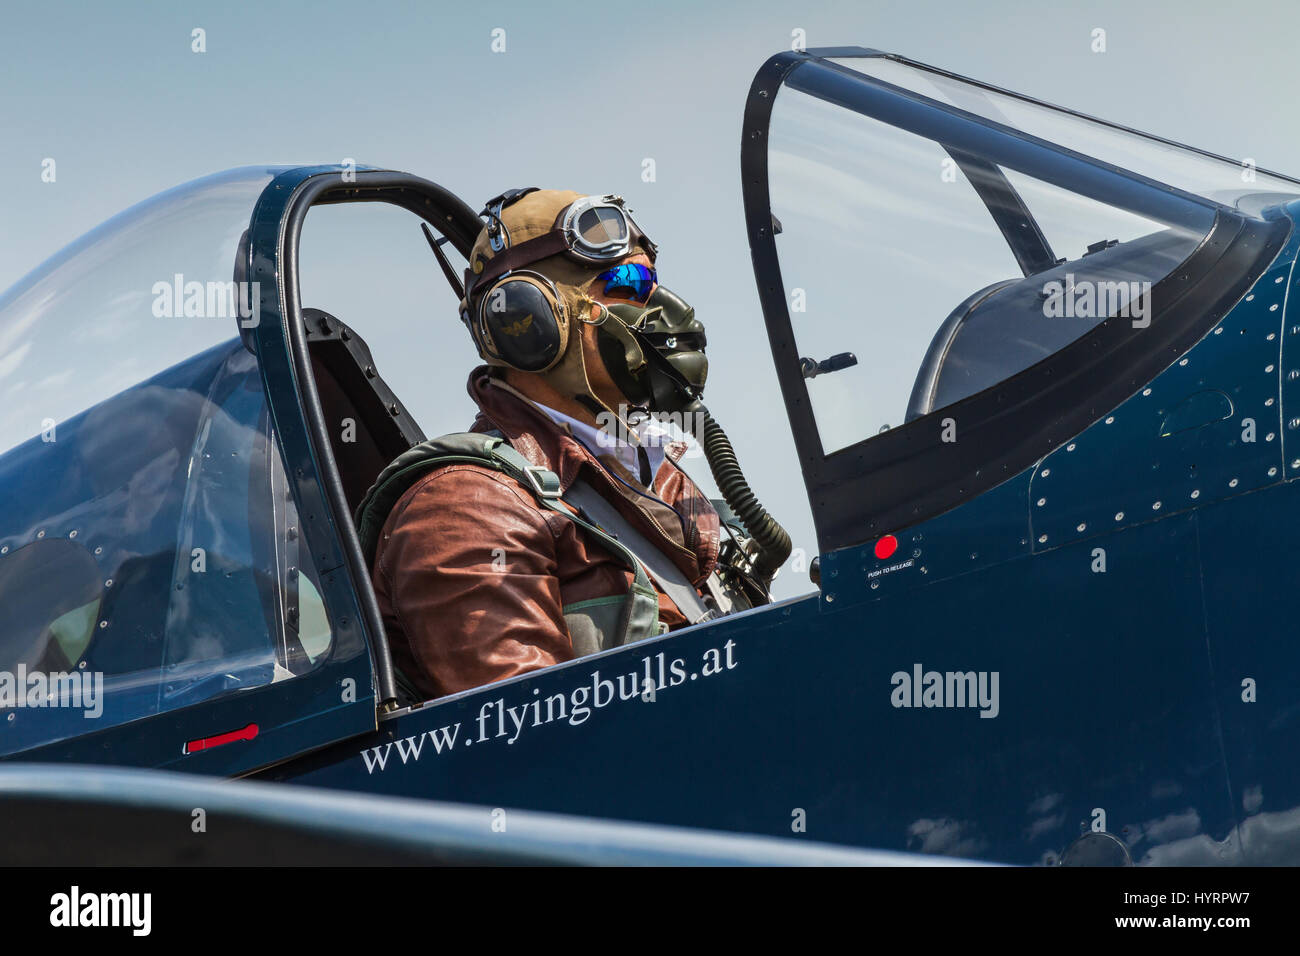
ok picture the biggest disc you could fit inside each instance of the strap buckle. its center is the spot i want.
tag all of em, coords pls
(538, 477)
(492, 210)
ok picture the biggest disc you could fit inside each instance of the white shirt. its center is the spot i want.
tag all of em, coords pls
(650, 435)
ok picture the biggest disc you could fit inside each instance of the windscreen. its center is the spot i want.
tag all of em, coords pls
(927, 257)
(146, 290)
(1231, 182)
(149, 555)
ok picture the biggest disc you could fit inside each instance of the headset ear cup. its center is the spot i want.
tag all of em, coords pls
(523, 323)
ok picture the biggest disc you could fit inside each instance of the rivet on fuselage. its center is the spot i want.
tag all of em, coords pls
(1156, 506)
(1233, 483)
(1119, 516)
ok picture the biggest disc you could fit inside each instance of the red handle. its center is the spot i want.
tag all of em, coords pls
(206, 743)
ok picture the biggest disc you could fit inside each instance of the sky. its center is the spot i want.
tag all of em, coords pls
(581, 97)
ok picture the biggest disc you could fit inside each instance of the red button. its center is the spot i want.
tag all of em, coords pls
(886, 546)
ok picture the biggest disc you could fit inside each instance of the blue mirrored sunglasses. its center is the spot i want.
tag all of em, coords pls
(629, 281)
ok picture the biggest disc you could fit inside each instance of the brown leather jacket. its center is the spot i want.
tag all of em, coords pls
(472, 575)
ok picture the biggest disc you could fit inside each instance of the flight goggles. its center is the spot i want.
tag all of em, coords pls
(593, 230)
(629, 281)
(601, 228)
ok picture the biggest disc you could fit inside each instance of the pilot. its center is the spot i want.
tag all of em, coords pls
(484, 571)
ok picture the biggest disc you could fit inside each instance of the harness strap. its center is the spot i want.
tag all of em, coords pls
(667, 574)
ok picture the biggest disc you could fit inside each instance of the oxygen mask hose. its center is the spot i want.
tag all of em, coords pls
(773, 541)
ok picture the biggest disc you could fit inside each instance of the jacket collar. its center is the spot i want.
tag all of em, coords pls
(526, 427)
(531, 431)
